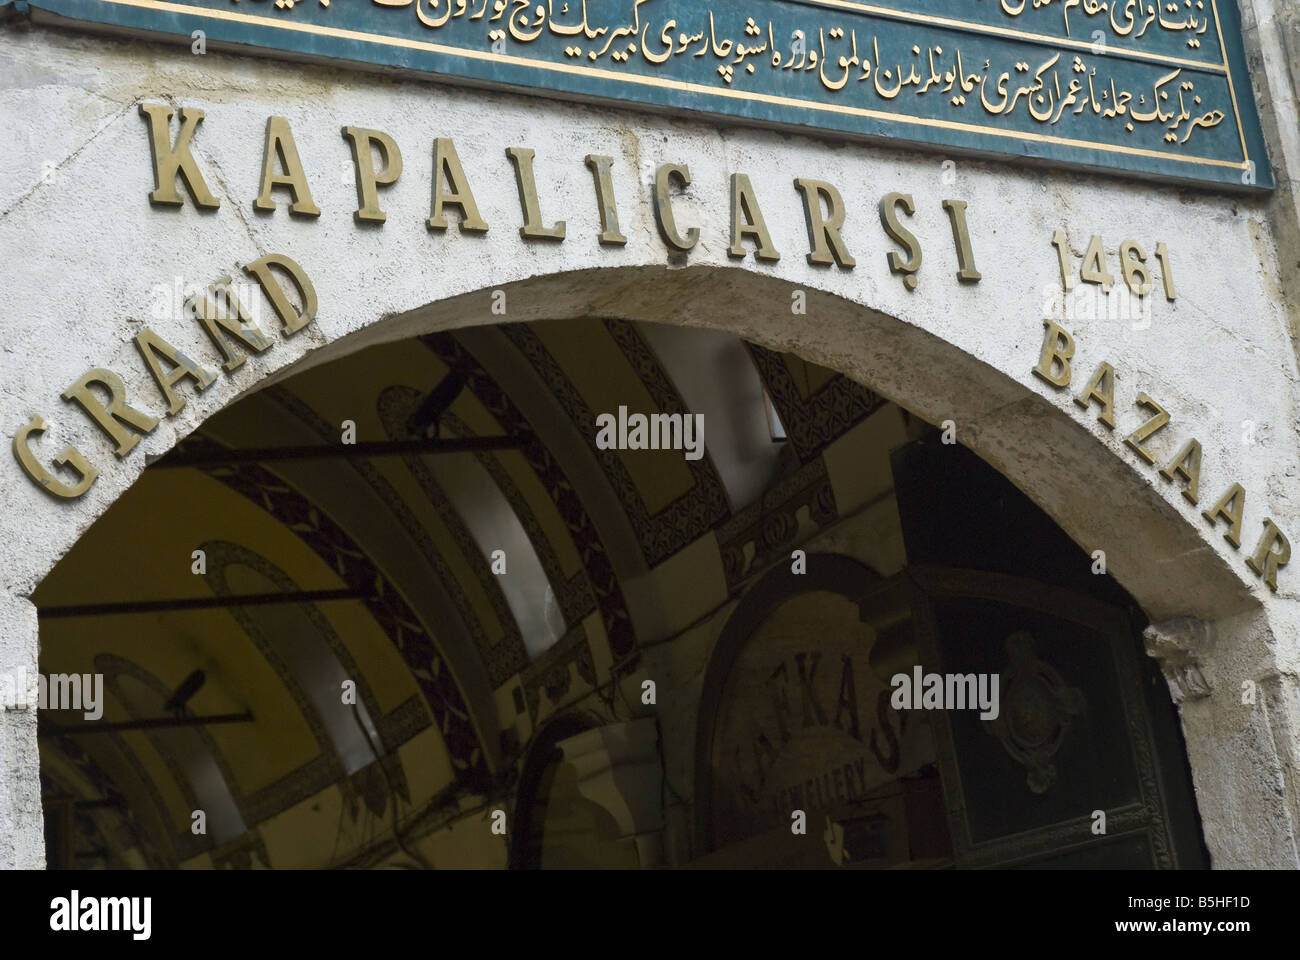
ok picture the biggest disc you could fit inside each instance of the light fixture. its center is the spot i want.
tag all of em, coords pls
(424, 422)
(775, 428)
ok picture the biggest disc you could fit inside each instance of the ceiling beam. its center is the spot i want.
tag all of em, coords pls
(148, 723)
(333, 451)
(199, 603)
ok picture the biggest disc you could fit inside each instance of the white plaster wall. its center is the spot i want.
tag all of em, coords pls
(82, 251)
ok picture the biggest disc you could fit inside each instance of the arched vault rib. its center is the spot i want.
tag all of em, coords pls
(369, 547)
(692, 514)
(501, 659)
(569, 499)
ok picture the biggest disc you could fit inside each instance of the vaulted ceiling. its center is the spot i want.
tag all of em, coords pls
(388, 561)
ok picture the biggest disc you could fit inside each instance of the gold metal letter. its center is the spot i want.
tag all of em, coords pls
(279, 142)
(108, 417)
(664, 208)
(1266, 560)
(824, 231)
(966, 271)
(1058, 347)
(1101, 388)
(171, 159)
(69, 457)
(1188, 465)
(900, 234)
(609, 233)
(293, 320)
(1230, 506)
(522, 158)
(368, 182)
(151, 347)
(747, 221)
(446, 165)
(1139, 436)
(240, 326)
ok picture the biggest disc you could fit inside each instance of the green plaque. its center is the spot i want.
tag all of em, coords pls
(1152, 88)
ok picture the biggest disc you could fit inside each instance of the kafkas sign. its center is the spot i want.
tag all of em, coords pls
(1146, 87)
(805, 723)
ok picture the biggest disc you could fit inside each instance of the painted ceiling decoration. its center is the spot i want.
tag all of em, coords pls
(508, 656)
(574, 594)
(189, 753)
(689, 516)
(69, 770)
(752, 539)
(600, 570)
(818, 410)
(385, 604)
(140, 786)
(318, 653)
(502, 658)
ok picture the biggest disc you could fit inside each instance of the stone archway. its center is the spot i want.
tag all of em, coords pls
(1209, 609)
